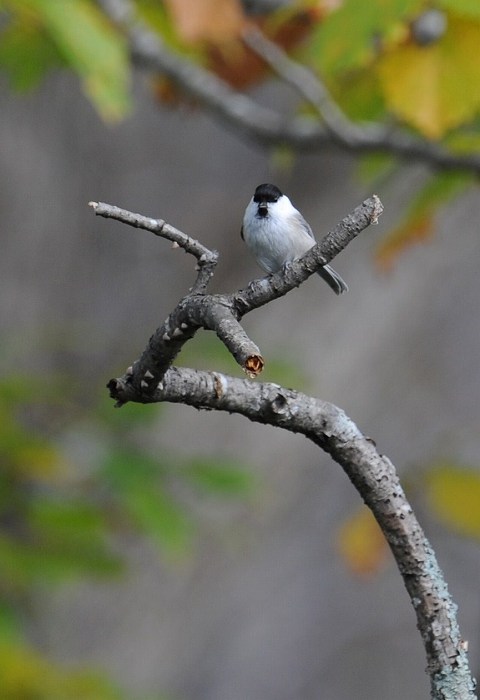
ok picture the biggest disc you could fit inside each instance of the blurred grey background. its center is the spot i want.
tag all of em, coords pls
(264, 608)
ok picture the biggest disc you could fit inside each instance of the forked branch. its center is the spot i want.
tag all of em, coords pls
(221, 312)
(153, 379)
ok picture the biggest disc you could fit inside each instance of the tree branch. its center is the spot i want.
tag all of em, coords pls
(153, 379)
(311, 89)
(221, 312)
(265, 125)
(207, 259)
(374, 477)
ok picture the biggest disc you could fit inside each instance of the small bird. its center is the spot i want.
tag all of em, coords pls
(276, 233)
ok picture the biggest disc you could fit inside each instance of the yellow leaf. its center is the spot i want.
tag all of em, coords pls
(26, 673)
(349, 37)
(362, 544)
(40, 462)
(206, 20)
(454, 495)
(435, 88)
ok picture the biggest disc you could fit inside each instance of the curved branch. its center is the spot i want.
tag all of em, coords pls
(311, 89)
(374, 477)
(152, 379)
(207, 259)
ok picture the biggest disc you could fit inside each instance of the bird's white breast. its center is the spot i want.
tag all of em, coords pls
(277, 238)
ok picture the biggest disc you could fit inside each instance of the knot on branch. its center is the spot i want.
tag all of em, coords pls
(279, 404)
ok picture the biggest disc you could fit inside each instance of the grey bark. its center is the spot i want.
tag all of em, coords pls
(153, 379)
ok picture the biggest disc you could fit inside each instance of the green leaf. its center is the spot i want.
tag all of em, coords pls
(346, 39)
(137, 482)
(129, 469)
(25, 455)
(358, 94)
(10, 626)
(160, 516)
(53, 560)
(19, 389)
(28, 675)
(26, 55)
(156, 16)
(463, 142)
(453, 493)
(375, 167)
(92, 48)
(70, 521)
(132, 415)
(465, 8)
(52, 539)
(221, 477)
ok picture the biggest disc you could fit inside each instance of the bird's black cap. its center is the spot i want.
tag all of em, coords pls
(267, 193)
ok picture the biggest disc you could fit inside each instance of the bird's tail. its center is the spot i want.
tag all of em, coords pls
(333, 279)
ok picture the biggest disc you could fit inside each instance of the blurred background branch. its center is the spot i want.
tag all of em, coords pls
(267, 126)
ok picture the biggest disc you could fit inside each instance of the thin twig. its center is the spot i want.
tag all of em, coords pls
(311, 89)
(207, 259)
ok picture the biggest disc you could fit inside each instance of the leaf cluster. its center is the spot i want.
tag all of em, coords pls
(404, 63)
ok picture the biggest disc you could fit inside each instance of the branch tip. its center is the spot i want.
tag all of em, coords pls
(254, 364)
(377, 209)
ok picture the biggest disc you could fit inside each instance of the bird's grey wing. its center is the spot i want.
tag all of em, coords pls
(303, 224)
(331, 277)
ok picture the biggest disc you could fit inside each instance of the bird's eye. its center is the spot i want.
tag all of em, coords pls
(266, 199)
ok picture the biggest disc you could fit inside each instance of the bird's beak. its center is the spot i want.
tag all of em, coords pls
(263, 209)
